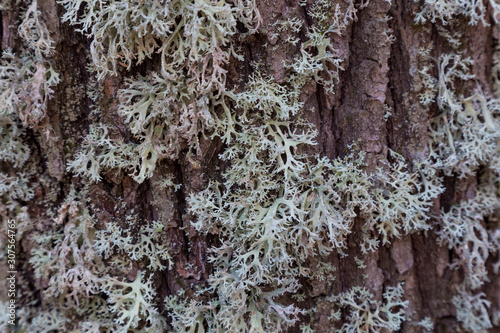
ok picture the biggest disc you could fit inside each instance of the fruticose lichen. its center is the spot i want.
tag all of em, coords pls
(275, 210)
(369, 315)
(171, 107)
(74, 259)
(445, 11)
(464, 142)
(27, 79)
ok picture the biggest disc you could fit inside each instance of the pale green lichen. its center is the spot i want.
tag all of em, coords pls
(12, 147)
(241, 306)
(99, 151)
(317, 54)
(164, 116)
(276, 208)
(426, 84)
(464, 140)
(27, 80)
(168, 109)
(16, 187)
(445, 11)
(472, 311)
(190, 35)
(403, 201)
(4, 316)
(274, 216)
(74, 257)
(26, 84)
(368, 315)
(34, 31)
(132, 302)
(465, 132)
(463, 231)
(47, 321)
(119, 241)
(426, 324)
(72, 263)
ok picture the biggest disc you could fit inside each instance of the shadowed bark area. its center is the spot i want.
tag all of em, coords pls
(373, 107)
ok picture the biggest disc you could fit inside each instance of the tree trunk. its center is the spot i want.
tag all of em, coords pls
(161, 171)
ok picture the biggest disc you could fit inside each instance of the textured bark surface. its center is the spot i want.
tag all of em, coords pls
(377, 74)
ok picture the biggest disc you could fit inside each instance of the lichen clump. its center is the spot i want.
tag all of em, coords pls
(277, 213)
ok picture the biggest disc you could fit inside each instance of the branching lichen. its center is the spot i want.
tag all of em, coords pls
(464, 142)
(277, 208)
(168, 109)
(98, 151)
(119, 241)
(74, 256)
(445, 11)
(472, 311)
(368, 315)
(318, 58)
(191, 35)
(35, 32)
(465, 133)
(26, 84)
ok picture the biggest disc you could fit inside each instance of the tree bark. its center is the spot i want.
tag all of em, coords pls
(374, 104)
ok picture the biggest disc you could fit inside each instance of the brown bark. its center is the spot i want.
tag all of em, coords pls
(376, 74)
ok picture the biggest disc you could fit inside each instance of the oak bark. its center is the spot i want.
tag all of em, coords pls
(377, 74)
